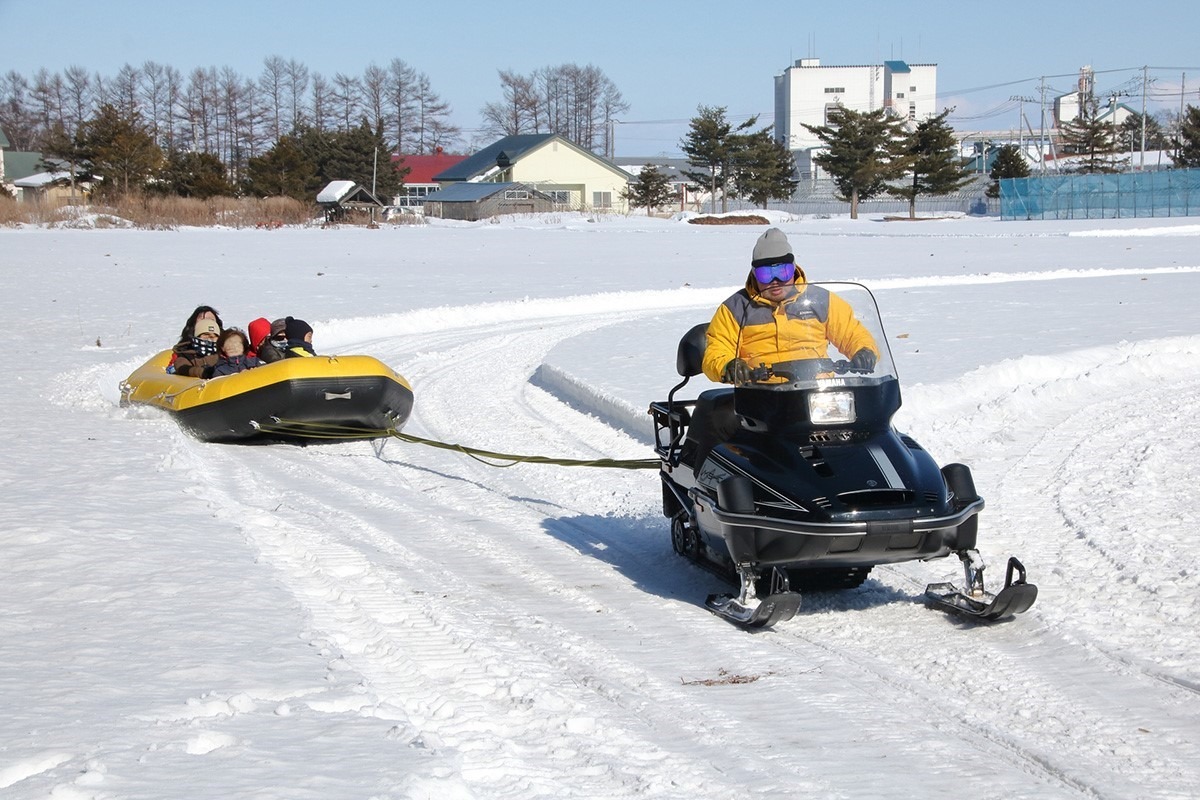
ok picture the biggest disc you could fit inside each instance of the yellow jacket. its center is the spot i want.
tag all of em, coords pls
(752, 328)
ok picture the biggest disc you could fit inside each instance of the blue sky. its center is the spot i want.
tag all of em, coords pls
(666, 58)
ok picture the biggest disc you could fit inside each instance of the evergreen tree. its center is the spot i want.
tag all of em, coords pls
(763, 169)
(710, 146)
(934, 161)
(120, 149)
(650, 190)
(59, 148)
(1129, 135)
(1189, 139)
(1094, 140)
(864, 150)
(1009, 163)
(199, 175)
(285, 170)
(361, 155)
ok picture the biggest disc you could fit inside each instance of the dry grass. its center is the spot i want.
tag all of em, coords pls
(740, 219)
(163, 213)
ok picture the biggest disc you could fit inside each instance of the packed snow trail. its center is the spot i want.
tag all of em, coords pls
(531, 624)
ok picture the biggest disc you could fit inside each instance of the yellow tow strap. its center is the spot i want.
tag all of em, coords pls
(323, 431)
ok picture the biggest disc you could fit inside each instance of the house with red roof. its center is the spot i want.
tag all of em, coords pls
(419, 180)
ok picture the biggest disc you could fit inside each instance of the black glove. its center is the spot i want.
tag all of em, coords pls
(863, 361)
(736, 372)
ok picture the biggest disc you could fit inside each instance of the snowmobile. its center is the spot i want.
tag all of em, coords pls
(797, 481)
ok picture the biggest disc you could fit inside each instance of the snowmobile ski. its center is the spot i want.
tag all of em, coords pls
(761, 613)
(975, 602)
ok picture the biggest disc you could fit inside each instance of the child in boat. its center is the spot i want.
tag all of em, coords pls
(234, 358)
(197, 359)
(299, 338)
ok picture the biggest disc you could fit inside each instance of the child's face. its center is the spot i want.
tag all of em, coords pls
(233, 347)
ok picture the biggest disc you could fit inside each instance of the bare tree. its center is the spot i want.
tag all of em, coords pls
(519, 110)
(79, 96)
(345, 96)
(16, 111)
(200, 103)
(433, 127)
(322, 103)
(373, 94)
(401, 104)
(46, 96)
(123, 91)
(296, 84)
(271, 84)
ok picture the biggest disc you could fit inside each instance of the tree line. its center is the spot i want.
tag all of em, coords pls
(281, 132)
(225, 114)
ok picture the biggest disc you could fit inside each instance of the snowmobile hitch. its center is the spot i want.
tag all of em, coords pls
(975, 601)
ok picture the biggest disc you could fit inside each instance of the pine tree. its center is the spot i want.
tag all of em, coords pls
(1094, 140)
(1189, 139)
(650, 190)
(710, 145)
(1009, 163)
(1129, 135)
(763, 169)
(199, 175)
(60, 148)
(119, 149)
(934, 161)
(283, 171)
(864, 150)
(361, 155)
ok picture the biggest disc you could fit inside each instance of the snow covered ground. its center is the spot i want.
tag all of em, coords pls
(381, 620)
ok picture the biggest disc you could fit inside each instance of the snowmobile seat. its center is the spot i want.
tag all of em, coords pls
(713, 421)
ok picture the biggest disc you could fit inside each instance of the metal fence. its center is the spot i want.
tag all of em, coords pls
(1169, 193)
(820, 198)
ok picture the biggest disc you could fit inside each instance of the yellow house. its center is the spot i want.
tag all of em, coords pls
(575, 178)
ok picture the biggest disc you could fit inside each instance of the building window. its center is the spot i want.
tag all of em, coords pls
(899, 95)
(835, 90)
(562, 198)
(828, 108)
(602, 199)
(413, 195)
(516, 194)
(912, 110)
(912, 88)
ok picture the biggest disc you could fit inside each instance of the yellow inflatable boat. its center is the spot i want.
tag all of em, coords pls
(324, 398)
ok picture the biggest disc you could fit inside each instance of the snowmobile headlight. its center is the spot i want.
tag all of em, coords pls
(831, 408)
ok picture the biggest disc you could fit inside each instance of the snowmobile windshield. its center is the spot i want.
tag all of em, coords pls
(860, 329)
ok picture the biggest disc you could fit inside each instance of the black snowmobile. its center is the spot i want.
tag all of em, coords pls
(797, 481)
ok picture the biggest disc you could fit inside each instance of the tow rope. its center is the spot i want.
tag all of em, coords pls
(317, 430)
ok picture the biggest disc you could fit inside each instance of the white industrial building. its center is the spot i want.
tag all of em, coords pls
(806, 91)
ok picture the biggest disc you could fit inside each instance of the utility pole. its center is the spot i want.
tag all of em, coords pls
(1021, 118)
(1042, 133)
(1179, 136)
(1145, 82)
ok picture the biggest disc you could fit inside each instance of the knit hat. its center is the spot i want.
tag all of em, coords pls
(206, 326)
(772, 248)
(296, 329)
(278, 326)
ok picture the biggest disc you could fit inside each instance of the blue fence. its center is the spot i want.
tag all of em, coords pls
(1167, 193)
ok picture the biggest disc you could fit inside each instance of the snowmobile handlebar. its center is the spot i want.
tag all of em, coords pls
(763, 373)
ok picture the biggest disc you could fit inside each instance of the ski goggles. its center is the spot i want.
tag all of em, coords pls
(775, 272)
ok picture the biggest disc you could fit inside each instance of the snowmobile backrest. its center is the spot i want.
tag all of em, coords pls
(689, 360)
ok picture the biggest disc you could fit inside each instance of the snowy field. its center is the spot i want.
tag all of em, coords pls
(382, 620)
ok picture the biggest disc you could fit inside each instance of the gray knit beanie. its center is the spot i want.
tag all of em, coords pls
(772, 248)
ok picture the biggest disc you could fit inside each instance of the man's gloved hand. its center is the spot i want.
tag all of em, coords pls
(863, 361)
(736, 372)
